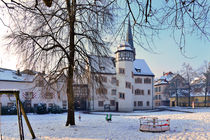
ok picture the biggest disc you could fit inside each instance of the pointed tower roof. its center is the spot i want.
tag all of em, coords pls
(129, 37)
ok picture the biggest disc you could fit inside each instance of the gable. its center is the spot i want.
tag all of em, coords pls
(140, 67)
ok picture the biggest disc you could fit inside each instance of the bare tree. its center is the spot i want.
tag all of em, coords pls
(56, 39)
(183, 17)
(207, 81)
(189, 74)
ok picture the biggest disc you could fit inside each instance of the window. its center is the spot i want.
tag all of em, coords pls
(134, 103)
(100, 103)
(39, 83)
(138, 80)
(50, 105)
(128, 85)
(155, 89)
(28, 95)
(10, 95)
(35, 106)
(132, 90)
(147, 80)
(114, 91)
(64, 102)
(117, 83)
(28, 105)
(196, 100)
(10, 104)
(147, 103)
(102, 68)
(159, 89)
(132, 74)
(121, 95)
(121, 70)
(112, 102)
(49, 95)
(103, 79)
(139, 92)
(138, 70)
(140, 103)
(59, 95)
(160, 97)
(101, 90)
(149, 92)
(114, 80)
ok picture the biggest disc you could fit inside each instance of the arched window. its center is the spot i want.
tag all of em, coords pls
(139, 92)
(147, 80)
(138, 80)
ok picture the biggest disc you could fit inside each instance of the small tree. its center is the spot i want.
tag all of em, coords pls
(189, 74)
(207, 82)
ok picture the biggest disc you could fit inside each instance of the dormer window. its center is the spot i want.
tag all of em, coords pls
(102, 68)
(138, 70)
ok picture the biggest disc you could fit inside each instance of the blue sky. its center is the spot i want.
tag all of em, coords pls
(167, 58)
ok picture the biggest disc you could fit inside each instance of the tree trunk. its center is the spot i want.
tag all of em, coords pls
(71, 7)
(70, 97)
(189, 103)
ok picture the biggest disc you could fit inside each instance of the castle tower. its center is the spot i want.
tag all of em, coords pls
(125, 56)
(129, 38)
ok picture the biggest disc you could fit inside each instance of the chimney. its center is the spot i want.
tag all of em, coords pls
(18, 72)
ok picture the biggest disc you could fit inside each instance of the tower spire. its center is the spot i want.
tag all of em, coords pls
(129, 37)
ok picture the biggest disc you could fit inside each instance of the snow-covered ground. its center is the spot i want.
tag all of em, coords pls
(124, 126)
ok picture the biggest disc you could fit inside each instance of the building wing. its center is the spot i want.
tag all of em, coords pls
(140, 67)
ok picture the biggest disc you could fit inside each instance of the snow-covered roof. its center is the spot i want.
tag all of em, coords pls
(140, 67)
(167, 77)
(124, 46)
(104, 65)
(12, 75)
(198, 80)
(192, 94)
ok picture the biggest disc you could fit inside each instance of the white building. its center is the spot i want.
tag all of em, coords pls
(127, 81)
(33, 89)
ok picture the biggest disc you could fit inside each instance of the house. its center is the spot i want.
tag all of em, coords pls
(33, 88)
(120, 83)
(167, 85)
(199, 94)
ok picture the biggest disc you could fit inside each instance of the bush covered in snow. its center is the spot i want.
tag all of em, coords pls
(5, 110)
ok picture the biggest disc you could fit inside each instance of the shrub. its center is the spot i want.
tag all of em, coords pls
(41, 109)
(5, 110)
(55, 109)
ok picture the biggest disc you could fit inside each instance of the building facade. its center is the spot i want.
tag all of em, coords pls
(167, 85)
(33, 88)
(126, 82)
